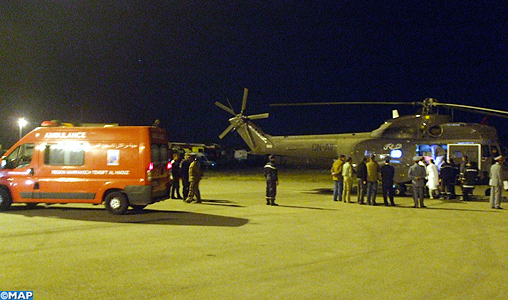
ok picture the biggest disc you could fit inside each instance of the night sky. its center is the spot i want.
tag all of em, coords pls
(131, 62)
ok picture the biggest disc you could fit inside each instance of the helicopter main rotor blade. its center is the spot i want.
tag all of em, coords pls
(345, 103)
(244, 101)
(475, 109)
(259, 116)
(225, 132)
(224, 107)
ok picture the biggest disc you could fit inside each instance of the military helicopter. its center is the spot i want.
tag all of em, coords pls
(427, 134)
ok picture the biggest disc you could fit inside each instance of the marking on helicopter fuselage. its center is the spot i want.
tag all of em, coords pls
(324, 147)
(391, 146)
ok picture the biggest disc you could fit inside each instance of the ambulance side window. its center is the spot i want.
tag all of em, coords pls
(64, 155)
(19, 158)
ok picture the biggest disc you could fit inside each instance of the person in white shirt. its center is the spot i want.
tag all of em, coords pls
(432, 179)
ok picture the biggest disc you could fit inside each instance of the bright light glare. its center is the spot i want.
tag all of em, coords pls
(396, 153)
(22, 122)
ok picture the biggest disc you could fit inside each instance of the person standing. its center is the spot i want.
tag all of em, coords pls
(387, 175)
(469, 180)
(175, 177)
(447, 177)
(347, 174)
(422, 162)
(337, 178)
(432, 179)
(272, 180)
(372, 178)
(361, 174)
(416, 174)
(195, 175)
(496, 183)
(184, 173)
(462, 167)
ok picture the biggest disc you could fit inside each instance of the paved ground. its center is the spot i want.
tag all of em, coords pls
(233, 246)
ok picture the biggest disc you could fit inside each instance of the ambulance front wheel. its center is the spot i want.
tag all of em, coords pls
(116, 203)
(5, 199)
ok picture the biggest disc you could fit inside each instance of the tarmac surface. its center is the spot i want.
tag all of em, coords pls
(233, 246)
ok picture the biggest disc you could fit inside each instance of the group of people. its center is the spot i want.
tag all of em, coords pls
(190, 173)
(424, 175)
(439, 181)
(468, 176)
(368, 173)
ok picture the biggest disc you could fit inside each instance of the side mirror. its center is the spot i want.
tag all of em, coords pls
(7, 164)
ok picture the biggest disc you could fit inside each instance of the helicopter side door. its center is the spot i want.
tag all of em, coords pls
(472, 151)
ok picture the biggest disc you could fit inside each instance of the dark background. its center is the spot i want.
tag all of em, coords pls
(131, 62)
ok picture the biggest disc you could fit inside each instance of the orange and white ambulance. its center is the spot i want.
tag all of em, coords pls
(119, 166)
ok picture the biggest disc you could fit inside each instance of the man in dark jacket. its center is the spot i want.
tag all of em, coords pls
(372, 179)
(447, 176)
(361, 174)
(175, 177)
(272, 180)
(184, 173)
(469, 180)
(387, 174)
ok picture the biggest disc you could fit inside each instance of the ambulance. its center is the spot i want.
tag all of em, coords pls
(119, 166)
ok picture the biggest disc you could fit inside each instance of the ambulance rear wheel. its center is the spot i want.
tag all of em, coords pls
(116, 203)
(5, 200)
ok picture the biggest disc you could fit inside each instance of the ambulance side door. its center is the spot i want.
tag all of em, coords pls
(62, 177)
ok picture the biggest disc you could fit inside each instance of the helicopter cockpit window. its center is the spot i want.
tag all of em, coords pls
(494, 152)
(19, 158)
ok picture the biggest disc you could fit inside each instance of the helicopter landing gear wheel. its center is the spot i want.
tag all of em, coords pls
(400, 190)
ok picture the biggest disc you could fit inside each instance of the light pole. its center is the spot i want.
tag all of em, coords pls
(22, 122)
